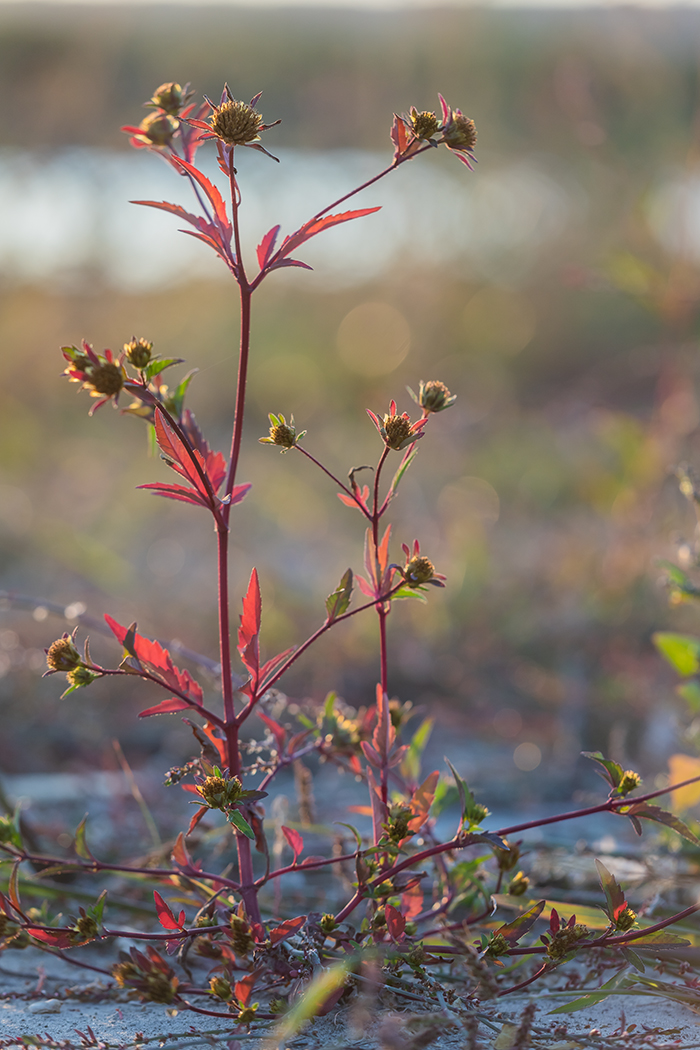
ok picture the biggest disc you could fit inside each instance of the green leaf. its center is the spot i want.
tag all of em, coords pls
(178, 394)
(403, 467)
(96, 910)
(154, 368)
(80, 842)
(660, 939)
(358, 838)
(239, 822)
(660, 816)
(410, 766)
(690, 692)
(619, 981)
(613, 770)
(513, 931)
(681, 650)
(633, 959)
(614, 896)
(338, 601)
(410, 592)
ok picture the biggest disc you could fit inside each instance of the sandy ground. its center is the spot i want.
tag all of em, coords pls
(59, 1012)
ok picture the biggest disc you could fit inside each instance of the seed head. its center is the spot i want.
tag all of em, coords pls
(62, 655)
(220, 988)
(158, 128)
(236, 123)
(241, 937)
(626, 919)
(398, 430)
(497, 945)
(218, 792)
(419, 570)
(106, 378)
(81, 676)
(170, 98)
(138, 352)
(85, 929)
(328, 923)
(424, 125)
(460, 133)
(282, 433)
(433, 396)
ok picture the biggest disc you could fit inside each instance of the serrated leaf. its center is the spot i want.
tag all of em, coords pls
(660, 939)
(409, 592)
(395, 922)
(156, 660)
(613, 770)
(165, 915)
(249, 630)
(286, 929)
(166, 707)
(682, 651)
(358, 837)
(338, 601)
(154, 368)
(238, 820)
(660, 816)
(615, 898)
(633, 959)
(513, 931)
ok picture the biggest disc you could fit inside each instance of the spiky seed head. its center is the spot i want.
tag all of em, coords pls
(169, 97)
(626, 919)
(398, 430)
(81, 676)
(62, 655)
(241, 937)
(236, 123)
(460, 133)
(158, 128)
(425, 124)
(221, 988)
(434, 396)
(106, 378)
(138, 352)
(564, 940)
(419, 570)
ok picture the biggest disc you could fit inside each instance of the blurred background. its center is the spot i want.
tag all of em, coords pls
(554, 290)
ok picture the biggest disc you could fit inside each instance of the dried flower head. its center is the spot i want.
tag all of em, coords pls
(170, 98)
(418, 569)
(433, 396)
(234, 123)
(138, 352)
(62, 654)
(424, 125)
(458, 133)
(282, 433)
(99, 373)
(396, 430)
(157, 129)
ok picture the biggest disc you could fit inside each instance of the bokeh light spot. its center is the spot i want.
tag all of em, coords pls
(373, 339)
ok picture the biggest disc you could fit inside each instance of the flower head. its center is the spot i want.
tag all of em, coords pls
(433, 396)
(138, 352)
(419, 570)
(234, 123)
(411, 132)
(282, 433)
(100, 374)
(157, 129)
(62, 654)
(397, 430)
(170, 98)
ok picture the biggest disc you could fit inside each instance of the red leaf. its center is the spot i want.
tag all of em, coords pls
(165, 915)
(278, 731)
(248, 632)
(155, 659)
(243, 989)
(239, 493)
(267, 246)
(395, 922)
(178, 492)
(180, 853)
(178, 456)
(371, 755)
(272, 665)
(286, 929)
(295, 841)
(422, 800)
(196, 818)
(215, 198)
(165, 707)
(314, 226)
(412, 901)
(56, 938)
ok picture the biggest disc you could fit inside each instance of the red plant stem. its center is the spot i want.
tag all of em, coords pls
(233, 756)
(321, 863)
(375, 504)
(336, 480)
(383, 660)
(523, 984)
(370, 182)
(245, 297)
(269, 682)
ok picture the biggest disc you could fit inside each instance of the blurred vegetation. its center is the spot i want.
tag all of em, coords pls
(544, 494)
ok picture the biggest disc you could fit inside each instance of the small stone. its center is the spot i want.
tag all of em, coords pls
(45, 1006)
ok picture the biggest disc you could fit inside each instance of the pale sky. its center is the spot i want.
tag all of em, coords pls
(385, 5)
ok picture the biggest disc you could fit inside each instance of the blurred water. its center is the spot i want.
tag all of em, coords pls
(65, 217)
